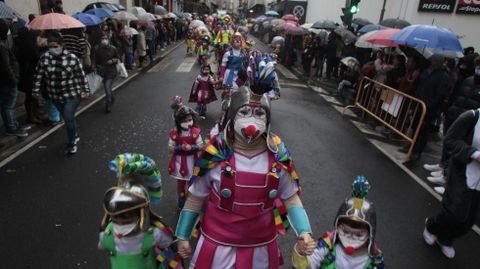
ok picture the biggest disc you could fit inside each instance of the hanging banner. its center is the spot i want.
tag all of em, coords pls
(468, 7)
(444, 6)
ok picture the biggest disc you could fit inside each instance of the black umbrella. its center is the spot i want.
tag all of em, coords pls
(346, 35)
(325, 24)
(395, 23)
(361, 22)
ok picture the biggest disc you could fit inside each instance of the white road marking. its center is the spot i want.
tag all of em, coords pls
(398, 159)
(286, 72)
(187, 65)
(161, 65)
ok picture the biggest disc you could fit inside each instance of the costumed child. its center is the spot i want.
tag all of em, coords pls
(352, 243)
(190, 37)
(203, 51)
(184, 143)
(244, 182)
(234, 67)
(203, 91)
(132, 234)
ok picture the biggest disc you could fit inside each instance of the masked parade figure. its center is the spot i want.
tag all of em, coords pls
(246, 181)
(190, 40)
(261, 71)
(133, 235)
(184, 143)
(203, 51)
(233, 67)
(203, 91)
(352, 243)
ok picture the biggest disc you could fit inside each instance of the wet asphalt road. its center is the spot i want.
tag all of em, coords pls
(51, 204)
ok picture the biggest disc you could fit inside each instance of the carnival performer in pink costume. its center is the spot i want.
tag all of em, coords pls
(184, 143)
(243, 176)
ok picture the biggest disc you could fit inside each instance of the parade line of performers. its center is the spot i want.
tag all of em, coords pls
(238, 190)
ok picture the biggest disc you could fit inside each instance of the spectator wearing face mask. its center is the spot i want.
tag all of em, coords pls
(60, 74)
(106, 59)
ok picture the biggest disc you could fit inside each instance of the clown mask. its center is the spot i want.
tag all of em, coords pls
(187, 122)
(250, 122)
(352, 239)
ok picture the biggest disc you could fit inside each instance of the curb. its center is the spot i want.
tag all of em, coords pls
(14, 146)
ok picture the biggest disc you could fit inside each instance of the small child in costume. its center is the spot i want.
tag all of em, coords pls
(184, 143)
(203, 91)
(131, 233)
(352, 243)
(190, 38)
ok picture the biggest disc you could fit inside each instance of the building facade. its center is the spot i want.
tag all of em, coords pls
(442, 13)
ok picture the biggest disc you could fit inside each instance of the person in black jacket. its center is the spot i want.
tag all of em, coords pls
(9, 75)
(106, 59)
(432, 87)
(462, 194)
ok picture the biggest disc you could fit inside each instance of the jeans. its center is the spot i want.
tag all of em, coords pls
(107, 84)
(128, 60)
(67, 110)
(8, 97)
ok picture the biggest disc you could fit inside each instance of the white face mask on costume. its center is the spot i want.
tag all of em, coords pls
(352, 241)
(123, 230)
(187, 125)
(250, 128)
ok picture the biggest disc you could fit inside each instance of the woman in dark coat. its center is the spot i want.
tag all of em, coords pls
(462, 195)
(106, 59)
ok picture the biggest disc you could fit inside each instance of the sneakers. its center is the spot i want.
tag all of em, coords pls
(432, 167)
(18, 132)
(77, 139)
(448, 251)
(438, 173)
(439, 190)
(429, 238)
(72, 149)
(437, 180)
(25, 128)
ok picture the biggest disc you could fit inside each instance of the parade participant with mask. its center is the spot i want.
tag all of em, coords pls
(133, 235)
(233, 67)
(245, 180)
(203, 51)
(59, 74)
(352, 243)
(203, 91)
(261, 71)
(184, 143)
(106, 59)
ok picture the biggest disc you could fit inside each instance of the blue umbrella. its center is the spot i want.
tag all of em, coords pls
(101, 12)
(428, 36)
(87, 19)
(371, 27)
(272, 13)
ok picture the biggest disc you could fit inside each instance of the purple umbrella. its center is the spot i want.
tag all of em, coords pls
(262, 18)
(295, 31)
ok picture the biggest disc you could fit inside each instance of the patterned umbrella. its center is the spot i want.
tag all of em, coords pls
(7, 12)
(55, 21)
(383, 37)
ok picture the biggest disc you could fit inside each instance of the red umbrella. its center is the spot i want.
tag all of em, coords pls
(55, 21)
(290, 17)
(382, 37)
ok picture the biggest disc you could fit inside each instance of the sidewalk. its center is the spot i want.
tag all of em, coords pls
(11, 144)
(328, 88)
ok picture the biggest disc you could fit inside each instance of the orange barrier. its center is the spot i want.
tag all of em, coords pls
(400, 112)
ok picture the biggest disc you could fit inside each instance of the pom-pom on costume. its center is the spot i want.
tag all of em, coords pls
(247, 194)
(203, 91)
(184, 142)
(337, 249)
(262, 74)
(130, 232)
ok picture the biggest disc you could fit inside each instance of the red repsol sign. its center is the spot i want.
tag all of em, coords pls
(445, 6)
(468, 7)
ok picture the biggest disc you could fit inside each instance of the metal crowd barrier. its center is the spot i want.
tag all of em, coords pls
(400, 112)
